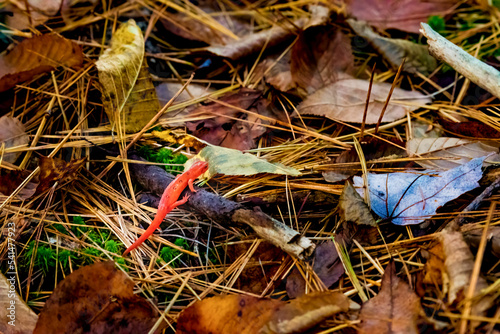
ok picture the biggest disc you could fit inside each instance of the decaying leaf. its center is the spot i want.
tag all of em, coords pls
(319, 57)
(353, 208)
(416, 56)
(404, 15)
(54, 170)
(98, 298)
(37, 55)
(410, 198)
(247, 315)
(128, 94)
(395, 310)
(17, 317)
(227, 161)
(10, 180)
(454, 151)
(345, 100)
(12, 134)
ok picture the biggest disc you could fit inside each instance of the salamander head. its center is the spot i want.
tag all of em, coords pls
(199, 167)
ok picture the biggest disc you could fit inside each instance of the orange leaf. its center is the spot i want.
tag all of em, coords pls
(37, 55)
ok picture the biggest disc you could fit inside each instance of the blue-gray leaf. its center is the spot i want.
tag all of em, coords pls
(410, 198)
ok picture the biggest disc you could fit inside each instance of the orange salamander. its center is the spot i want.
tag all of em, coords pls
(169, 198)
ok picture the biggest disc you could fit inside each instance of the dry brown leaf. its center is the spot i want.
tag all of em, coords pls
(345, 101)
(37, 55)
(404, 15)
(453, 151)
(12, 134)
(262, 265)
(54, 170)
(247, 315)
(253, 43)
(396, 308)
(276, 72)
(459, 264)
(416, 56)
(228, 127)
(17, 317)
(327, 266)
(99, 299)
(10, 180)
(353, 208)
(319, 56)
(38, 12)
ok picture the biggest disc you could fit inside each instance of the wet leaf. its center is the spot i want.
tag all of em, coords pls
(454, 151)
(98, 298)
(12, 134)
(320, 56)
(37, 55)
(410, 198)
(128, 93)
(353, 208)
(404, 15)
(17, 317)
(54, 170)
(416, 56)
(227, 161)
(345, 101)
(396, 308)
(246, 314)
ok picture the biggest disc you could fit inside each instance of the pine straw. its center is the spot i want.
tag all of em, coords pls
(61, 100)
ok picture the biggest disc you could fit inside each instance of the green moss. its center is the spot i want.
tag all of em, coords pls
(164, 156)
(436, 22)
(167, 254)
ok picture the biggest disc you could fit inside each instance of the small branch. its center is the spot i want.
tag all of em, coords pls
(473, 69)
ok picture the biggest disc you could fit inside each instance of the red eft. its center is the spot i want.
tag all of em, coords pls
(169, 198)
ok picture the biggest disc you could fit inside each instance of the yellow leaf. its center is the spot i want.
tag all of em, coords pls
(129, 96)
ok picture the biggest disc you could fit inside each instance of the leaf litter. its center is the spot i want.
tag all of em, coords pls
(280, 91)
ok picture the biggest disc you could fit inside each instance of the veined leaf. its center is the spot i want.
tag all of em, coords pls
(228, 161)
(447, 147)
(345, 100)
(410, 198)
(129, 96)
